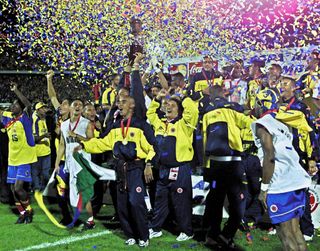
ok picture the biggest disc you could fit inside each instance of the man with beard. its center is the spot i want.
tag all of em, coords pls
(236, 87)
(255, 84)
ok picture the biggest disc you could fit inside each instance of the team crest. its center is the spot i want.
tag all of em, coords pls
(273, 208)
(173, 130)
(138, 189)
(131, 134)
(314, 200)
(179, 190)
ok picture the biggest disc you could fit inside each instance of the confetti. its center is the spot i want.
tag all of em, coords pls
(92, 37)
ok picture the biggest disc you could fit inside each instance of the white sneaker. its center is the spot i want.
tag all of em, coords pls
(154, 234)
(308, 238)
(143, 244)
(184, 237)
(272, 231)
(130, 242)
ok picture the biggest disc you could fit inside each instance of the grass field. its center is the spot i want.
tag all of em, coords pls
(42, 234)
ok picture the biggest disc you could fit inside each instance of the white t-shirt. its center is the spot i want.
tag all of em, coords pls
(288, 173)
(70, 142)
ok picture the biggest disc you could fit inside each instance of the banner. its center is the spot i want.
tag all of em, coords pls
(292, 60)
(314, 204)
(200, 190)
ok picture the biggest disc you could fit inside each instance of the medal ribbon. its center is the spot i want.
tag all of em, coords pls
(75, 126)
(125, 132)
(208, 81)
(290, 104)
(11, 122)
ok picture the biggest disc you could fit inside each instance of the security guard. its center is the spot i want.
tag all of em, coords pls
(40, 169)
(134, 146)
(297, 115)
(223, 150)
(174, 137)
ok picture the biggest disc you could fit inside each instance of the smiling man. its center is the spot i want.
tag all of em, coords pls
(72, 131)
(134, 147)
(174, 137)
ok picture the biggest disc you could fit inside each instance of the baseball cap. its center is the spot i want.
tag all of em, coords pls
(39, 105)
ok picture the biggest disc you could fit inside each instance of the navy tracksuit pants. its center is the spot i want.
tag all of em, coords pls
(253, 169)
(131, 205)
(179, 194)
(226, 179)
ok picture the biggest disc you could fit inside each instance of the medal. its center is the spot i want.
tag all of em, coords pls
(124, 131)
(3, 130)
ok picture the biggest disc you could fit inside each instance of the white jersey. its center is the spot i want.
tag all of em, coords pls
(288, 173)
(70, 142)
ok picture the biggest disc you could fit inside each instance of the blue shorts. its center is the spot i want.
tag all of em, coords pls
(283, 207)
(22, 172)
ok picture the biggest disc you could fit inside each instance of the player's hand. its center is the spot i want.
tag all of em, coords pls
(77, 148)
(50, 74)
(206, 91)
(263, 199)
(48, 135)
(312, 170)
(162, 94)
(138, 58)
(57, 168)
(148, 173)
(98, 125)
(13, 86)
(127, 68)
(72, 134)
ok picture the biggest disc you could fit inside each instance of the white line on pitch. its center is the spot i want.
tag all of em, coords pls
(65, 241)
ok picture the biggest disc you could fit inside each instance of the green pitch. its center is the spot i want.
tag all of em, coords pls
(43, 235)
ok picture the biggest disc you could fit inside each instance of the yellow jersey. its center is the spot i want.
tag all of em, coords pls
(21, 142)
(40, 128)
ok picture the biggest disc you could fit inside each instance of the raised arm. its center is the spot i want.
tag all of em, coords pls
(23, 99)
(51, 91)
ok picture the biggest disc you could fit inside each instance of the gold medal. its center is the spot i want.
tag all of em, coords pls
(124, 142)
(3, 130)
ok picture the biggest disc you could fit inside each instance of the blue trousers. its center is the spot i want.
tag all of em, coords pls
(132, 209)
(179, 194)
(226, 179)
(40, 172)
(253, 169)
(306, 225)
